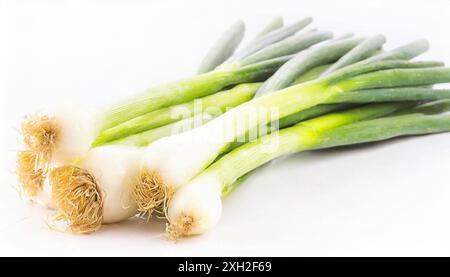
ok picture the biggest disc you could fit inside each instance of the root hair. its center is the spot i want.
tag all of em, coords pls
(151, 193)
(40, 134)
(31, 176)
(182, 226)
(78, 197)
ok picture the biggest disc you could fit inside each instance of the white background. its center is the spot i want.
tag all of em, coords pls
(384, 199)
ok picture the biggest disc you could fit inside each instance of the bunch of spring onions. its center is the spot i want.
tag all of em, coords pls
(62, 138)
(288, 90)
(68, 180)
(63, 134)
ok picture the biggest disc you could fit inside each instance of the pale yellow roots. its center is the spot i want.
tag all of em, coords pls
(39, 136)
(31, 177)
(78, 197)
(151, 193)
(182, 226)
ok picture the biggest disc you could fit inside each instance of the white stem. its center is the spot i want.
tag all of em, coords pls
(178, 158)
(195, 208)
(114, 169)
(77, 128)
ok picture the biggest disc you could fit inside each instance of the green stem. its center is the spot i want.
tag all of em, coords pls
(363, 50)
(288, 46)
(223, 48)
(304, 61)
(312, 74)
(291, 120)
(187, 90)
(392, 95)
(146, 138)
(435, 107)
(405, 52)
(303, 96)
(219, 102)
(274, 24)
(360, 69)
(268, 39)
(243, 93)
(318, 71)
(348, 134)
(297, 138)
(384, 128)
(360, 96)
(396, 78)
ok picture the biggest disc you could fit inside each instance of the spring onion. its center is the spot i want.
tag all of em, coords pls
(99, 190)
(385, 128)
(196, 207)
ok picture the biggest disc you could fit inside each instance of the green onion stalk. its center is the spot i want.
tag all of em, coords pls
(274, 24)
(230, 40)
(267, 39)
(223, 48)
(196, 207)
